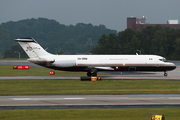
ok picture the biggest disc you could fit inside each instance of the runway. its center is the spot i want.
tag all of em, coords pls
(89, 101)
(16, 62)
(143, 76)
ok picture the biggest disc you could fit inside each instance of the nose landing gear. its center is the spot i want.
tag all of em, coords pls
(165, 73)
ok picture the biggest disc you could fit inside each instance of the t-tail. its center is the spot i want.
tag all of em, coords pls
(35, 52)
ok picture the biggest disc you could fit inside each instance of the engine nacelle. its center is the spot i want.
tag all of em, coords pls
(64, 63)
(41, 60)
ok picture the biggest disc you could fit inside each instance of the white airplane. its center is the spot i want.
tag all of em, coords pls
(93, 63)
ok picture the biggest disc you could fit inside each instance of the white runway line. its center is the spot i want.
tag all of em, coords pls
(174, 97)
(47, 98)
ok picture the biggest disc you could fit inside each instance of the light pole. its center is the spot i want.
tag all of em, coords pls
(19, 54)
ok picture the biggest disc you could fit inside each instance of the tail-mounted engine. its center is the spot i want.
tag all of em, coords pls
(64, 63)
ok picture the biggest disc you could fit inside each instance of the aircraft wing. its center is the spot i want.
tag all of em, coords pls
(104, 68)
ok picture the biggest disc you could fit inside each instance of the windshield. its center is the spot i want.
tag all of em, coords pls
(163, 60)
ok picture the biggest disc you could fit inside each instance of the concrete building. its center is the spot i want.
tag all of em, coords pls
(139, 23)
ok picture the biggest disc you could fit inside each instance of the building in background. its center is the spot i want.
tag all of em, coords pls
(139, 23)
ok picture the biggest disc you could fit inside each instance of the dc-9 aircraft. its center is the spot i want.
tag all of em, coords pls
(93, 63)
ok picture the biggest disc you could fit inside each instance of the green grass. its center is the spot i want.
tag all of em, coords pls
(7, 70)
(66, 87)
(90, 114)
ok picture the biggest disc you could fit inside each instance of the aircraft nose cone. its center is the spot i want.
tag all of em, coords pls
(173, 66)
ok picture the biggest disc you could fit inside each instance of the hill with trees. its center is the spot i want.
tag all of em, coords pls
(72, 39)
(51, 35)
(151, 40)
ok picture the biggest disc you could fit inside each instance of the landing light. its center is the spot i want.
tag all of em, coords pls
(117, 67)
(124, 64)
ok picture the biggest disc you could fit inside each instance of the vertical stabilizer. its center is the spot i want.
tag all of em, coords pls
(32, 48)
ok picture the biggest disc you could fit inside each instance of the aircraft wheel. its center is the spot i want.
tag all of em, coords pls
(94, 74)
(165, 74)
(89, 74)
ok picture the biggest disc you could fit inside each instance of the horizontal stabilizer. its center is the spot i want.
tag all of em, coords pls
(24, 39)
(28, 39)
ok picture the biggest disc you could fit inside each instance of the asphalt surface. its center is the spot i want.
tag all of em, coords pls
(89, 101)
(16, 62)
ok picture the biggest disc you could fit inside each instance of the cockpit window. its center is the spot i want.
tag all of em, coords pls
(163, 59)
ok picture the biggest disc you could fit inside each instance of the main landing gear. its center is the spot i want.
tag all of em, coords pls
(91, 73)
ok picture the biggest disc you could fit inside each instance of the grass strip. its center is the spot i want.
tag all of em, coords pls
(77, 87)
(7, 70)
(90, 114)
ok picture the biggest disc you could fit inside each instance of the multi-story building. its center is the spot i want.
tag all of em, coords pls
(139, 23)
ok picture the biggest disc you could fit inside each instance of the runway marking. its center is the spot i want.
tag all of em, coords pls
(47, 98)
(174, 97)
(73, 98)
(20, 98)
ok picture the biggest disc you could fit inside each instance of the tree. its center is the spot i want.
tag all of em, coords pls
(176, 54)
(133, 46)
(107, 45)
(52, 35)
(61, 52)
(159, 43)
(124, 37)
(112, 44)
(101, 45)
(11, 53)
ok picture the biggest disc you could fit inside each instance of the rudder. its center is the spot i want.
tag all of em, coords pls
(31, 47)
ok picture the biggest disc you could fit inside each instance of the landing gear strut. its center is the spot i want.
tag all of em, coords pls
(165, 74)
(92, 73)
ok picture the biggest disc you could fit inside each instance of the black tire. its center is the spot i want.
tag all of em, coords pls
(165, 74)
(94, 74)
(89, 74)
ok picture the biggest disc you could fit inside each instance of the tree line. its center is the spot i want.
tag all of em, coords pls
(59, 38)
(51, 35)
(151, 40)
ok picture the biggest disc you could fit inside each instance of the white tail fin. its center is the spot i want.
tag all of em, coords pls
(32, 48)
